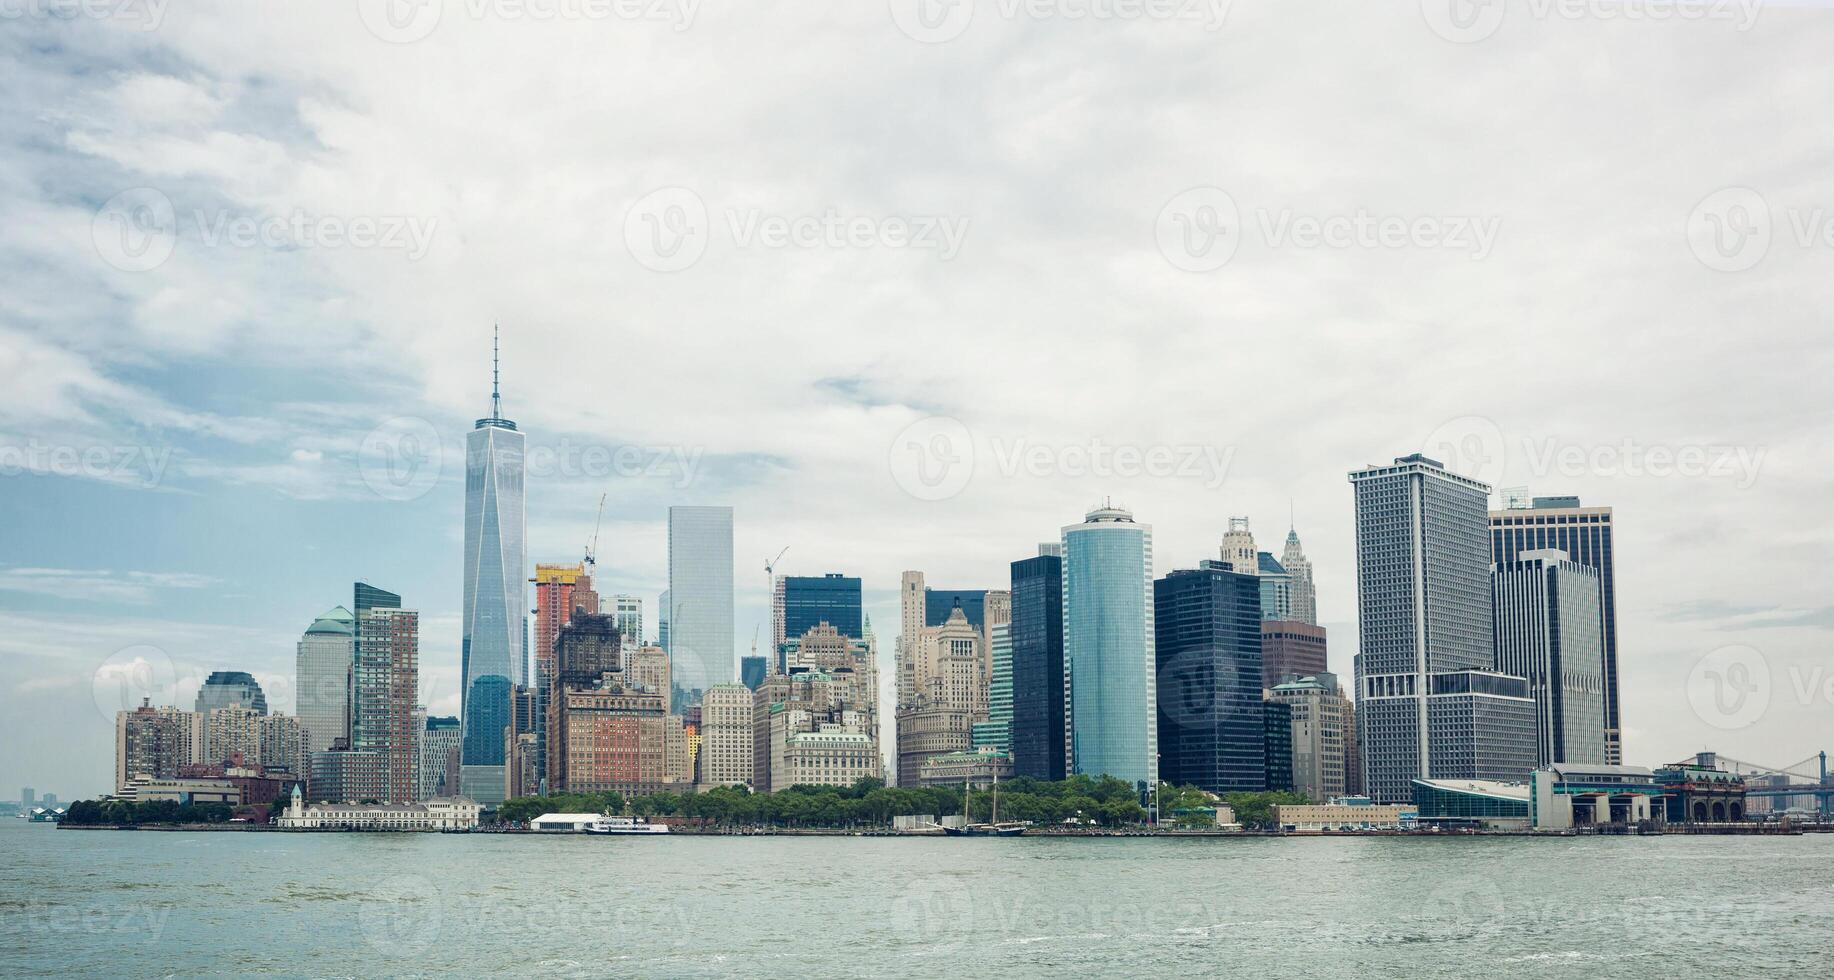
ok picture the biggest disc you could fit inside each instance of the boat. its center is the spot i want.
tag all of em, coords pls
(608, 826)
(993, 828)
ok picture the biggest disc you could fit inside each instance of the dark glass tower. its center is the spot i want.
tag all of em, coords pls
(1037, 667)
(810, 600)
(1212, 722)
(496, 601)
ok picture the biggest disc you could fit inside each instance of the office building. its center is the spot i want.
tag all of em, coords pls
(726, 750)
(810, 600)
(240, 736)
(494, 615)
(830, 755)
(436, 758)
(948, 697)
(751, 671)
(1038, 732)
(1276, 588)
(609, 737)
(809, 701)
(1277, 745)
(561, 592)
(1481, 725)
(1238, 548)
(324, 658)
(1304, 594)
(1549, 628)
(1584, 534)
(230, 688)
(1208, 647)
(996, 733)
(1341, 815)
(978, 769)
(648, 670)
(628, 611)
(1319, 721)
(1290, 649)
(700, 597)
(1112, 712)
(662, 619)
(1423, 608)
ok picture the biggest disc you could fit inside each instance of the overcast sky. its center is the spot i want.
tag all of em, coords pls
(909, 288)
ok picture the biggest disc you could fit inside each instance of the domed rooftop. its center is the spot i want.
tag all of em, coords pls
(337, 622)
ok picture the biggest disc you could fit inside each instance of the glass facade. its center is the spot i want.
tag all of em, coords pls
(322, 669)
(496, 604)
(1550, 630)
(700, 601)
(997, 731)
(1211, 719)
(1468, 804)
(1584, 533)
(1109, 664)
(1037, 658)
(810, 600)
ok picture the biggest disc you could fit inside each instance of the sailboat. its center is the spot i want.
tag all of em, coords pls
(993, 828)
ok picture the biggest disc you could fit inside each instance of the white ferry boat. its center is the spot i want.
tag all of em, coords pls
(625, 825)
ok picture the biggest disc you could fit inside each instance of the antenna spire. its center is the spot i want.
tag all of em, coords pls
(496, 399)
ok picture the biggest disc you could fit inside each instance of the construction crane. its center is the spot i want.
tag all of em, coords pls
(770, 597)
(592, 547)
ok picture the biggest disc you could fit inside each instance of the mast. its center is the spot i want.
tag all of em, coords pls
(496, 399)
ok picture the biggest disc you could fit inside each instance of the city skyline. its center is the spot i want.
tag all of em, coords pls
(273, 423)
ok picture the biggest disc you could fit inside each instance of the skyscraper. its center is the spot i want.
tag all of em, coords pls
(628, 610)
(1276, 588)
(322, 673)
(1239, 547)
(436, 758)
(561, 593)
(230, 689)
(385, 686)
(700, 598)
(809, 600)
(1208, 645)
(1037, 665)
(1299, 572)
(1290, 649)
(495, 605)
(1108, 631)
(1319, 722)
(1423, 608)
(1550, 630)
(997, 731)
(1584, 533)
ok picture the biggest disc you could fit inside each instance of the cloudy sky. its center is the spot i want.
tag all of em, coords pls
(909, 287)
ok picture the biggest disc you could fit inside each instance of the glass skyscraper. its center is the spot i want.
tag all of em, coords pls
(496, 600)
(325, 655)
(1208, 639)
(700, 601)
(1584, 533)
(1109, 666)
(1037, 654)
(1550, 630)
(810, 600)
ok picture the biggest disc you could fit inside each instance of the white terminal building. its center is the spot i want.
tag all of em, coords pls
(453, 813)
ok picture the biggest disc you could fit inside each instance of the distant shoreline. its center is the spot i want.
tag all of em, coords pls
(1752, 830)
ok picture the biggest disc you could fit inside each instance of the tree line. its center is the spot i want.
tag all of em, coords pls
(133, 813)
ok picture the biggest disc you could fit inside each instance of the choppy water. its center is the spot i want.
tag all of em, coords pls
(164, 904)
